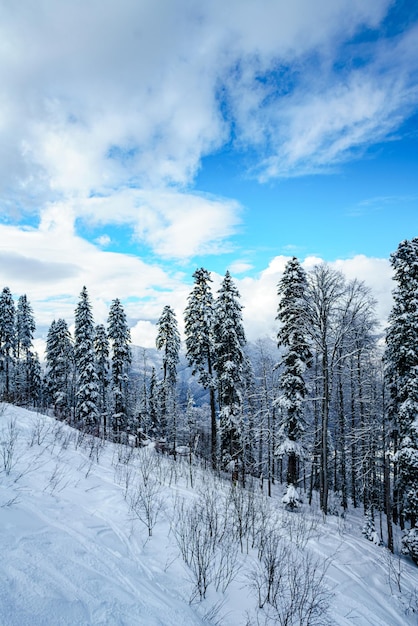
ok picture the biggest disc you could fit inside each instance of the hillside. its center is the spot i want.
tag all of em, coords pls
(97, 533)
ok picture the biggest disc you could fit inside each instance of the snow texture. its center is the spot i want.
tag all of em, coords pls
(74, 553)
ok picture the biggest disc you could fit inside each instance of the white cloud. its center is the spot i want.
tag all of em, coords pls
(53, 265)
(144, 334)
(173, 224)
(96, 95)
(377, 275)
(259, 295)
(240, 266)
(107, 109)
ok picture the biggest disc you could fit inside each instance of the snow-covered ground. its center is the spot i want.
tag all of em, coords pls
(95, 534)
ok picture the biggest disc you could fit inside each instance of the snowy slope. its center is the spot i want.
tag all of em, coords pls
(74, 551)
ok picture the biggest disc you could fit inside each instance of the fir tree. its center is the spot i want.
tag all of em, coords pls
(297, 356)
(402, 378)
(60, 367)
(25, 328)
(231, 364)
(199, 320)
(168, 341)
(7, 340)
(87, 396)
(102, 351)
(34, 379)
(120, 339)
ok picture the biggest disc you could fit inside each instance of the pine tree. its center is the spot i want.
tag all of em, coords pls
(87, 395)
(120, 339)
(34, 379)
(7, 341)
(231, 364)
(102, 351)
(25, 328)
(296, 358)
(199, 320)
(168, 340)
(60, 367)
(402, 378)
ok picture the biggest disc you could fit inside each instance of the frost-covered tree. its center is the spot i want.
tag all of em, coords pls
(168, 341)
(87, 395)
(7, 341)
(402, 379)
(25, 359)
(154, 405)
(292, 336)
(60, 367)
(25, 327)
(337, 311)
(199, 320)
(120, 339)
(231, 364)
(102, 351)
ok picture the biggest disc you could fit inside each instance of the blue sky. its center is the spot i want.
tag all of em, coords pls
(144, 138)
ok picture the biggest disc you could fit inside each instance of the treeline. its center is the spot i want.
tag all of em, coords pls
(331, 411)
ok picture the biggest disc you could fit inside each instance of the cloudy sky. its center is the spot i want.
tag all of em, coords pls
(140, 139)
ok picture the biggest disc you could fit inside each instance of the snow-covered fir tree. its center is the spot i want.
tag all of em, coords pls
(402, 378)
(7, 342)
(60, 368)
(200, 346)
(168, 341)
(296, 358)
(102, 351)
(120, 339)
(25, 359)
(231, 365)
(25, 327)
(87, 394)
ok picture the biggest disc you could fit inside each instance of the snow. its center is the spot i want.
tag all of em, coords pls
(74, 553)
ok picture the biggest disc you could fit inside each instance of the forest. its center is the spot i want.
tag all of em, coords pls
(329, 409)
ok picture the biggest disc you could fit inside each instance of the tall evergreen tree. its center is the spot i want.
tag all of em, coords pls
(102, 351)
(120, 339)
(402, 378)
(7, 341)
(25, 328)
(168, 341)
(60, 367)
(199, 320)
(87, 395)
(231, 364)
(297, 357)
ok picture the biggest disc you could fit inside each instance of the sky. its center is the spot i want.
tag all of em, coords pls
(141, 139)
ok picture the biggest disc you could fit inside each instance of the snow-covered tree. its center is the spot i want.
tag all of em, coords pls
(154, 405)
(7, 341)
(402, 378)
(231, 364)
(199, 320)
(168, 341)
(60, 367)
(297, 356)
(25, 328)
(102, 351)
(87, 395)
(120, 339)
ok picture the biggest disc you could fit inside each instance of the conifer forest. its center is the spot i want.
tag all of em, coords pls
(328, 409)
